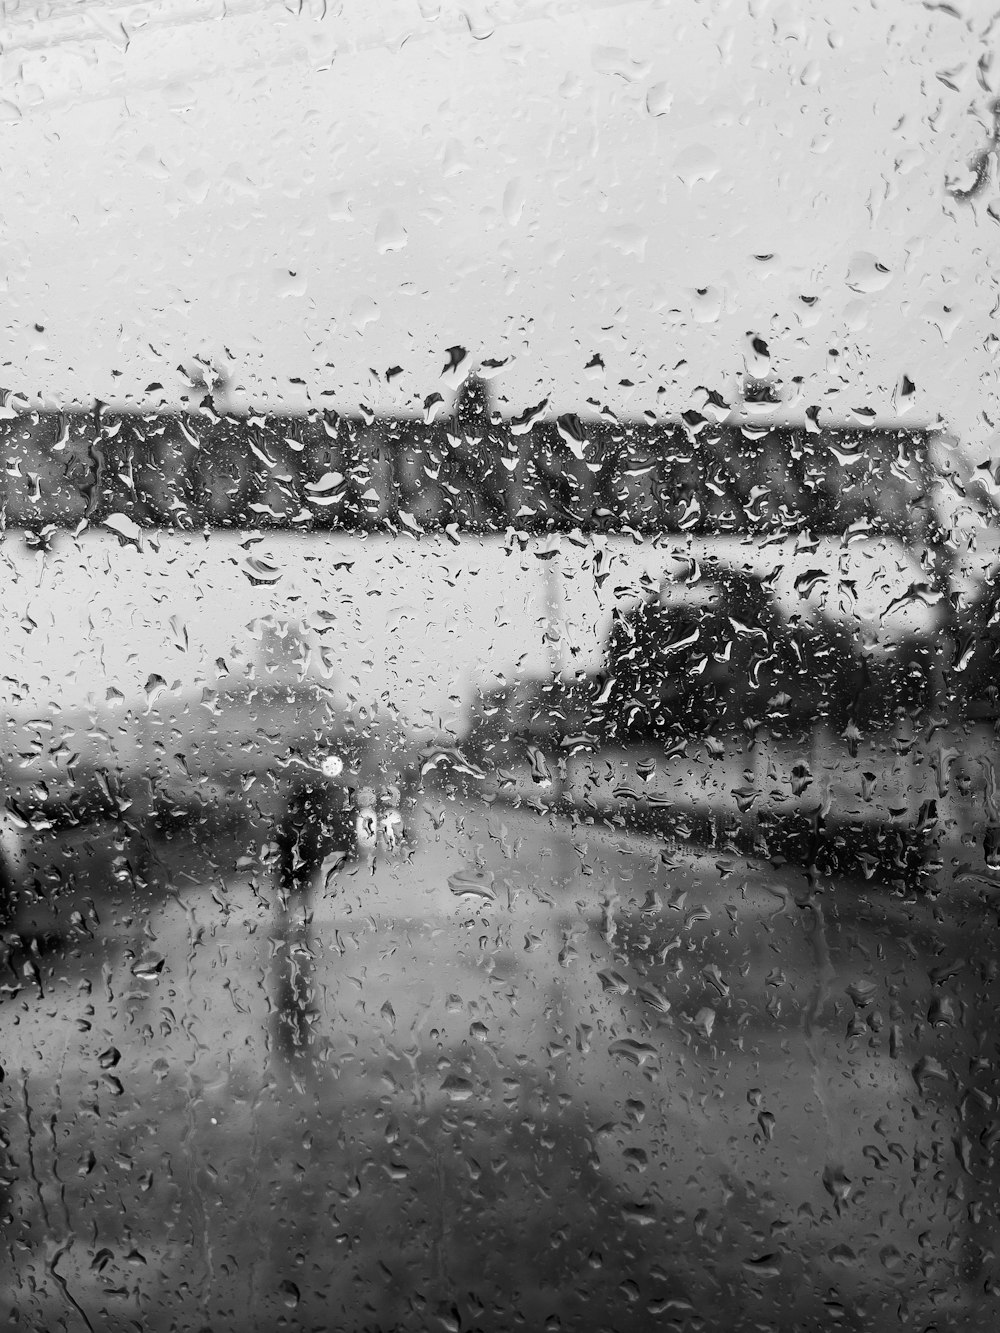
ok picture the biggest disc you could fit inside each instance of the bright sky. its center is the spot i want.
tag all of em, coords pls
(312, 198)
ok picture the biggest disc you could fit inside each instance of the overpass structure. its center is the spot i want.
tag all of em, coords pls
(520, 535)
(714, 470)
(413, 566)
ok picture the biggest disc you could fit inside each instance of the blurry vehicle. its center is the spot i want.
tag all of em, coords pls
(232, 765)
(325, 823)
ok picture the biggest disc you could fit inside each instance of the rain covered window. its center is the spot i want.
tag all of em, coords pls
(499, 665)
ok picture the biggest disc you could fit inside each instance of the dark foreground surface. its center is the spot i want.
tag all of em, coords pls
(523, 1074)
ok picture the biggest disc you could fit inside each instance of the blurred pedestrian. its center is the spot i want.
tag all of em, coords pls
(314, 838)
(317, 826)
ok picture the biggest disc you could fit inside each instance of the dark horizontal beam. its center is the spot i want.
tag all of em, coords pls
(471, 470)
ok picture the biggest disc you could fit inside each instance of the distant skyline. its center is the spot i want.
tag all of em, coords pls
(610, 202)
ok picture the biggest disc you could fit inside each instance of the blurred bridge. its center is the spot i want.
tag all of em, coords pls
(714, 470)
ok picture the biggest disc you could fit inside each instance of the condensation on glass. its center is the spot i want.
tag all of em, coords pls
(498, 707)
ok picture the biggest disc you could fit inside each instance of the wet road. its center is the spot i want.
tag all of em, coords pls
(524, 1074)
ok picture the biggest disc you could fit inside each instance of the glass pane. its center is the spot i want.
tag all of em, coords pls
(499, 664)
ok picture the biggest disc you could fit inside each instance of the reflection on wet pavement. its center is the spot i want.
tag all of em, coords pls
(520, 1073)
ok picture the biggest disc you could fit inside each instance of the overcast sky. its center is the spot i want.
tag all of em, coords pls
(314, 198)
